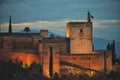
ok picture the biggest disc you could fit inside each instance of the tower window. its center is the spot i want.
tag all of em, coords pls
(81, 30)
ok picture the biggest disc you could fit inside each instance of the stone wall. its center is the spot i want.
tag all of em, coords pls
(7, 42)
(23, 42)
(93, 61)
(25, 57)
(99, 61)
(62, 42)
(17, 42)
(108, 61)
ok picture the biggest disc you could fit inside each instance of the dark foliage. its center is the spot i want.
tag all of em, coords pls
(27, 29)
(15, 71)
(51, 63)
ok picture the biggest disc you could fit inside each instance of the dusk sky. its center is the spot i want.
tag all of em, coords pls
(54, 14)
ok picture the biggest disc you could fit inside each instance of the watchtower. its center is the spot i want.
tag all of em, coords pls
(80, 34)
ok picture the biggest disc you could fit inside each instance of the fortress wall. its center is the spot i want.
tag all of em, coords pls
(26, 58)
(23, 42)
(107, 59)
(63, 47)
(36, 41)
(95, 62)
(7, 42)
(19, 42)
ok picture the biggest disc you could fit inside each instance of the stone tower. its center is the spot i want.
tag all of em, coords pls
(45, 51)
(80, 34)
(10, 26)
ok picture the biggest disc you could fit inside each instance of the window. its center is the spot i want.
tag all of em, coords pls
(81, 30)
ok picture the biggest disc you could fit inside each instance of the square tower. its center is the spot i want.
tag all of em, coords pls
(80, 34)
(44, 50)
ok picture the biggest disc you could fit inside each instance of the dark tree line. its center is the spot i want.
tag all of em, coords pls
(16, 71)
(51, 63)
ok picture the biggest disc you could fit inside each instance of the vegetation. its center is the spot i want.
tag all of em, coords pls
(27, 29)
(113, 75)
(51, 63)
(15, 71)
(117, 60)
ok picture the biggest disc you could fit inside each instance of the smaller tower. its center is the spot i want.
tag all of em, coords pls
(10, 26)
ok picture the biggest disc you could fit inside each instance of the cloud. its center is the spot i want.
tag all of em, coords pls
(16, 25)
(107, 29)
(58, 25)
(61, 23)
(106, 23)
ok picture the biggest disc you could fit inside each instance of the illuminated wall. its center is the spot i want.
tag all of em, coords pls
(26, 58)
(99, 61)
(95, 62)
(68, 31)
(80, 34)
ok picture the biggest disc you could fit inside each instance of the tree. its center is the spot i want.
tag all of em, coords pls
(27, 29)
(51, 63)
(56, 76)
(14, 71)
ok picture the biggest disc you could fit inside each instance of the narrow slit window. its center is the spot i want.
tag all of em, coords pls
(81, 30)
